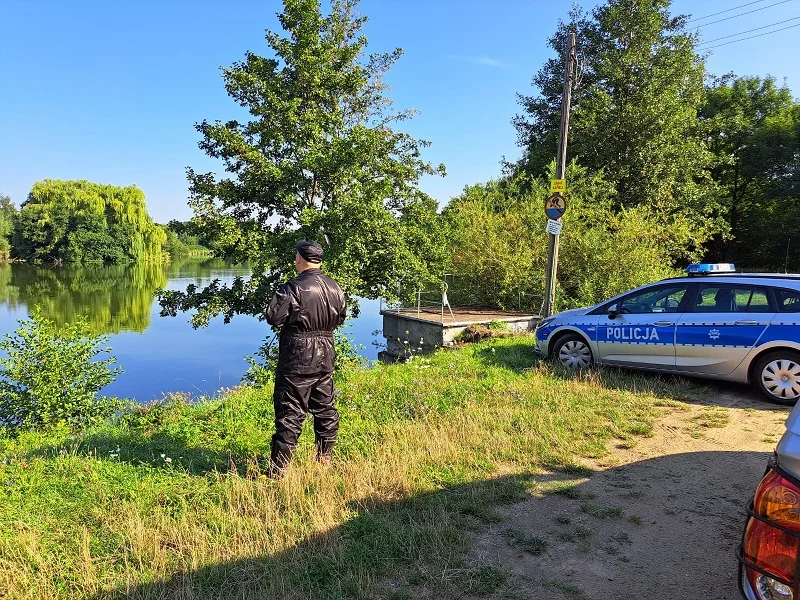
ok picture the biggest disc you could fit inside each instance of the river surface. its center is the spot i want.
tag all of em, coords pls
(159, 354)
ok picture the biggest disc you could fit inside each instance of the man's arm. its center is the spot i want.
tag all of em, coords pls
(281, 306)
(343, 309)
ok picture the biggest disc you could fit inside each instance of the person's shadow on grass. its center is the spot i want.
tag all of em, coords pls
(664, 527)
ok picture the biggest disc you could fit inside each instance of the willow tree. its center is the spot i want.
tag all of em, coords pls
(319, 159)
(81, 221)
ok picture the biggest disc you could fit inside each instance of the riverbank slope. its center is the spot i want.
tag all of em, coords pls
(168, 501)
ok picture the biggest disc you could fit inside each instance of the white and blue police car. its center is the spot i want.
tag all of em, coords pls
(712, 323)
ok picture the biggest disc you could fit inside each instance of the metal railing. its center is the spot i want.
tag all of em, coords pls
(425, 301)
(436, 297)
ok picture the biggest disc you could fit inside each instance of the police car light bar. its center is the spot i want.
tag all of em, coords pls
(708, 268)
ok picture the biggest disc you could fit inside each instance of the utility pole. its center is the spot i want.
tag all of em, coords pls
(561, 166)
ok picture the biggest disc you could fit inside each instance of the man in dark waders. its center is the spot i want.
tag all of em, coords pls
(307, 309)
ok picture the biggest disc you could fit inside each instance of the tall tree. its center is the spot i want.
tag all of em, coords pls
(752, 127)
(635, 105)
(317, 159)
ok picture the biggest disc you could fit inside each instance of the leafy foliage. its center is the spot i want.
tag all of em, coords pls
(7, 214)
(634, 115)
(498, 235)
(318, 160)
(80, 221)
(753, 128)
(261, 372)
(184, 239)
(51, 377)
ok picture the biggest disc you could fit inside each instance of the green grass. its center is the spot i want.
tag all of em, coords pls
(167, 501)
(601, 512)
(712, 417)
(570, 590)
(575, 532)
(529, 543)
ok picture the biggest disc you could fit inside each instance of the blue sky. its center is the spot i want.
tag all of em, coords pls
(110, 91)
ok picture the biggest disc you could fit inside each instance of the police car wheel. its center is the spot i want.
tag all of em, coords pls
(572, 352)
(777, 377)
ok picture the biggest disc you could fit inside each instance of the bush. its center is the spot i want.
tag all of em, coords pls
(261, 372)
(51, 377)
(498, 244)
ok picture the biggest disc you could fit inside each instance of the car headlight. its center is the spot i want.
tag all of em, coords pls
(545, 322)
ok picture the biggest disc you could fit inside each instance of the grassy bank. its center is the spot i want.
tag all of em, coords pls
(167, 502)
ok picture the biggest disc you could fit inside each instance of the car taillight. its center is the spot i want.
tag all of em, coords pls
(771, 543)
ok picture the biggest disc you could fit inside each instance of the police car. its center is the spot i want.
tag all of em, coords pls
(712, 323)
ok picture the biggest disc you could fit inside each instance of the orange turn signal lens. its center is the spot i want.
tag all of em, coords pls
(778, 500)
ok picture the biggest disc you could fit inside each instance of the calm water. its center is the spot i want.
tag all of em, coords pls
(159, 354)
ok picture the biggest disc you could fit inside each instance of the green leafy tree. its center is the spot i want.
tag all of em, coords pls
(173, 246)
(51, 377)
(7, 214)
(497, 235)
(184, 239)
(752, 126)
(634, 115)
(318, 159)
(80, 221)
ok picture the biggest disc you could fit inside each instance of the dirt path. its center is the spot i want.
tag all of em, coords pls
(660, 520)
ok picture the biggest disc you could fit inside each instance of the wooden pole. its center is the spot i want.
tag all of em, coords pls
(561, 167)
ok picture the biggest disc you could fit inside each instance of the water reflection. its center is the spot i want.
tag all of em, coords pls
(112, 298)
(203, 269)
(159, 355)
(9, 294)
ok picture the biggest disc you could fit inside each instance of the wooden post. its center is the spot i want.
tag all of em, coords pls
(561, 167)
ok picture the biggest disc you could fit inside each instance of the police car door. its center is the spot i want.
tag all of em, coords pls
(639, 329)
(721, 326)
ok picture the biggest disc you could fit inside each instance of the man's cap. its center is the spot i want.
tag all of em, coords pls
(309, 250)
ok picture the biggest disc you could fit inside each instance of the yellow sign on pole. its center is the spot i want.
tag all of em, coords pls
(558, 185)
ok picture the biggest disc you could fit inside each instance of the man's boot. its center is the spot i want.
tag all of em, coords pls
(324, 451)
(279, 459)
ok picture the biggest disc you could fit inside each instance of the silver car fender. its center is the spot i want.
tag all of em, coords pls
(571, 328)
(742, 372)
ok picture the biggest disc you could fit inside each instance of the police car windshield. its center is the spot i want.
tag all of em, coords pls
(658, 300)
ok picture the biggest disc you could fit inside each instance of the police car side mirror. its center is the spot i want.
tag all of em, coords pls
(613, 311)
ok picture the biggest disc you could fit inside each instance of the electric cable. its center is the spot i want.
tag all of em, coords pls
(743, 14)
(748, 31)
(724, 11)
(754, 36)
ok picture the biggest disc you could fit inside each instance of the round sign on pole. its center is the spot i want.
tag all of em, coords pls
(555, 206)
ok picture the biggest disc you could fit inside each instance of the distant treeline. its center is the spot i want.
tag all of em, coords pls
(186, 238)
(85, 222)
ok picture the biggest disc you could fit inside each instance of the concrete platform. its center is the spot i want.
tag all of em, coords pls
(411, 330)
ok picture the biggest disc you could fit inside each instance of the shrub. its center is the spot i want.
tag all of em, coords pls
(261, 372)
(51, 377)
(498, 244)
